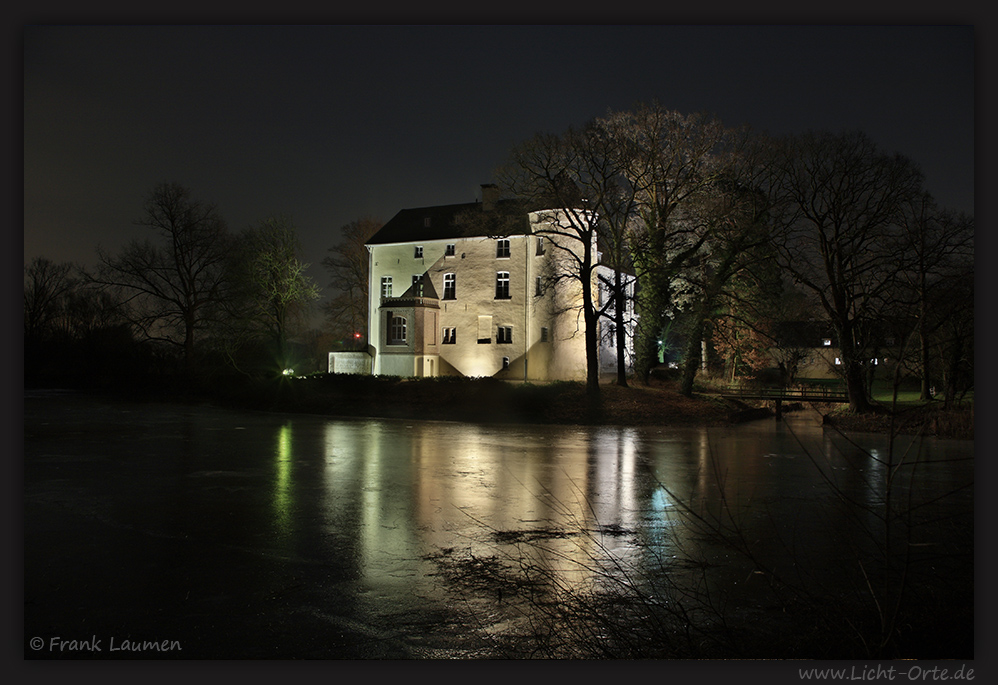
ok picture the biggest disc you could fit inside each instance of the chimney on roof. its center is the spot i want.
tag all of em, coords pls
(490, 195)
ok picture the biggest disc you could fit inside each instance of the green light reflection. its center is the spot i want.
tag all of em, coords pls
(282, 483)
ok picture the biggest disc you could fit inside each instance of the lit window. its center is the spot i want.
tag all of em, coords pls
(502, 285)
(874, 361)
(827, 342)
(450, 286)
(502, 248)
(396, 333)
(504, 335)
(419, 252)
(449, 252)
(540, 245)
(544, 333)
(450, 336)
(838, 362)
(386, 286)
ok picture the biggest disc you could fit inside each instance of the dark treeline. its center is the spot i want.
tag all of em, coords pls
(721, 243)
(184, 307)
(730, 235)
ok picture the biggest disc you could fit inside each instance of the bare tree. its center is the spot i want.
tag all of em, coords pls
(609, 154)
(574, 180)
(348, 267)
(840, 199)
(673, 160)
(953, 338)
(941, 247)
(47, 285)
(276, 291)
(732, 215)
(174, 287)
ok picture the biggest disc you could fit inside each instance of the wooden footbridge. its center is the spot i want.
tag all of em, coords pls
(781, 395)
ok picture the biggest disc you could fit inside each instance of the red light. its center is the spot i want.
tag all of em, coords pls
(356, 335)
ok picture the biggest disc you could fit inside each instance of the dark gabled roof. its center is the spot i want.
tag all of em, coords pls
(452, 221)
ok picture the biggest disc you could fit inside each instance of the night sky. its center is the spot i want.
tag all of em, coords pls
(331, 124)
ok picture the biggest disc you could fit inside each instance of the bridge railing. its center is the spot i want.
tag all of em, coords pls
(812, 393)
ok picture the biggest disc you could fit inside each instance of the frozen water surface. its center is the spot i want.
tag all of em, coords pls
(254, 535)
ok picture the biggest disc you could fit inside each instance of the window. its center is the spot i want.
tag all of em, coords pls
(450, 336)
(838, 361)
(504, 335)
(544, 333)
(505, 362)
(827, 342)
(426, 222)
(449, 252)
(540, 245)
(450, 286)
(539, 287)
(502, 285)
(417, 285)
(484, 329)
(419, 252)
(386, 286)
(396, 331)
(502, 248)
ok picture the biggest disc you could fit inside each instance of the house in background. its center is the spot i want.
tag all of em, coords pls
(473, 290)
(807, 350)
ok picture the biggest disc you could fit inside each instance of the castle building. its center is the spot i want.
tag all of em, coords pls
(475, 290)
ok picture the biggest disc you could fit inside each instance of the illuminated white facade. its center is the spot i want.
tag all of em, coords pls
(443, 302)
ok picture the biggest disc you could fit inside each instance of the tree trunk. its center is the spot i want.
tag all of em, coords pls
(923, 349)
(692, 357)
(650, 323)
(953, 370)
(856, 387)
(621, 334)
(189, 346)
(853, 370)
(591, 320)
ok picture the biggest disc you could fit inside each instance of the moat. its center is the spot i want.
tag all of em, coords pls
(239, 534)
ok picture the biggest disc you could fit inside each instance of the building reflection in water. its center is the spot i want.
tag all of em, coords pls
(566, 502)
(572, 506)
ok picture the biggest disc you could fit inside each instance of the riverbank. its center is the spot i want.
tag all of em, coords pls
(928, 420)
(487, 400)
